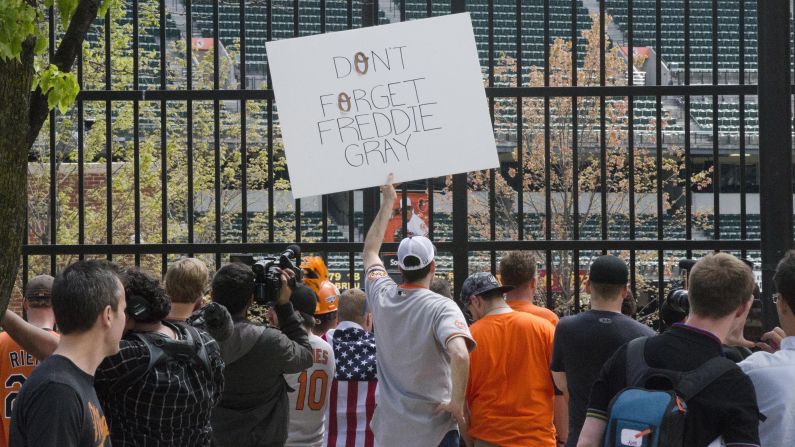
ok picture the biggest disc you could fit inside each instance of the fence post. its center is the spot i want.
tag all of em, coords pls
(460, 209)
(775, 144)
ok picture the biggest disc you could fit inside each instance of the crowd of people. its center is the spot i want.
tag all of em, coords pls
(106, 355)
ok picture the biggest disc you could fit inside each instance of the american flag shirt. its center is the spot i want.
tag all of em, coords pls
(352, 397)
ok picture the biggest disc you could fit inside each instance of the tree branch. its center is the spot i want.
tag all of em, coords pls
(63, 58)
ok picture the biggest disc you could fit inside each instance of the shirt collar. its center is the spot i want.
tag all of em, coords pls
(347, 325)
(788, 343)
(696, 330)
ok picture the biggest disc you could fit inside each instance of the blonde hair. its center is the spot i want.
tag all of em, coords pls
(186, 280)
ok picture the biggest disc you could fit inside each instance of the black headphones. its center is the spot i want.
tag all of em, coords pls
(137, 308)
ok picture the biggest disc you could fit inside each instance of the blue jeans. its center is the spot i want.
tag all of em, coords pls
(451, 439)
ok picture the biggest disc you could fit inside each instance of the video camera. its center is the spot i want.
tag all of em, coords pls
(267, 276)
(676, 305)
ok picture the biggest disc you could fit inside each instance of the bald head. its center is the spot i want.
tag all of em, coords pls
(352, 306)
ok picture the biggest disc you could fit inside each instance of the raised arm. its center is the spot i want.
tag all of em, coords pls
(38, 342)
(372, 242)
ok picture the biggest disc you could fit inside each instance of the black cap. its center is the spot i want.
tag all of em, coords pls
(609, 269)
(481, 283)
(304, 300)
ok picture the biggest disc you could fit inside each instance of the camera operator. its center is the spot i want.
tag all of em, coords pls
(254, 406)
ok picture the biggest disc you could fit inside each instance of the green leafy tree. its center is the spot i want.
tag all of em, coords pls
(34, 78)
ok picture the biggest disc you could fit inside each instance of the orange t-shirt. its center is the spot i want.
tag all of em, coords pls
(530, 308)
(16, 364)
(510, 386)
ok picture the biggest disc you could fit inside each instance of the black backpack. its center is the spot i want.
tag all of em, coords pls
(643, 417)
(190, 348)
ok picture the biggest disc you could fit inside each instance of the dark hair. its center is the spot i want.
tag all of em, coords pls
(414, 275)
(629, 306)
(441, 286)
(146, 288)
(491, 296)
(517, 268)
(81, 292)
(718, 285)
(785, 278)
(233, 286)
(309, 321)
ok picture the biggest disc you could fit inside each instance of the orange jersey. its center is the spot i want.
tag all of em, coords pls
(530, 308)
(16, 364)
(510, 386)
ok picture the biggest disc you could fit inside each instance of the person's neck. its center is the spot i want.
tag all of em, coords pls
(613, 305)
(424, 282)
(83, 350)
(788, 324)
(719, 328)
(496, 306)
(42, 320)
(181, 311)
(523, 292)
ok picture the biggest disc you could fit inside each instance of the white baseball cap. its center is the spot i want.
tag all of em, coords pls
(419, 247)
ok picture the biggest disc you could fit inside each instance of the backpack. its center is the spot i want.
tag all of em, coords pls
(642, 417)
(190, 347)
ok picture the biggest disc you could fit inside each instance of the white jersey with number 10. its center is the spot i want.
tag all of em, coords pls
(309, 401)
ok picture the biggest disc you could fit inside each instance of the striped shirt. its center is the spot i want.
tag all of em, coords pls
(169, 406)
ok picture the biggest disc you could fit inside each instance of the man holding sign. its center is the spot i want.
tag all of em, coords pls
(423, 349)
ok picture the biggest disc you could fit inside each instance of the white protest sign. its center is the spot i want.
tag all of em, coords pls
(406, 98)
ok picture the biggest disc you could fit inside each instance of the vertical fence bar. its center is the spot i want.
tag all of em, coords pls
(244, 129)
(81, 139)
(775, 144)
(163, 138)
(550, 299)
(575, 158)
(519, 123)
(296, 33)
(688, 167)
(109, 133)
(189, 119)
(460, 207)
(631, 143)
(715, 124)
(659, 160)
(136, 137)
(271, 176)
(492, 229)
(53, 191)
(217, 130)
(743, 179)
(602, 123)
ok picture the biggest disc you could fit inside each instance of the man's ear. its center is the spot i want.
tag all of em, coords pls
(742, 311)
(534, 282)
(625, 292)
(433, 266)
(588, 286)
(106, 317)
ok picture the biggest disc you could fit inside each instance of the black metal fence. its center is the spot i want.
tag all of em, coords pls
(628, 127)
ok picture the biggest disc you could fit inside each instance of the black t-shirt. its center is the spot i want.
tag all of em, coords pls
(57, 406)
(583, 343)
(727, 407)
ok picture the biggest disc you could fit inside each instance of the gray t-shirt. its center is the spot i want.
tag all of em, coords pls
(413, 326)
(583, 343)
